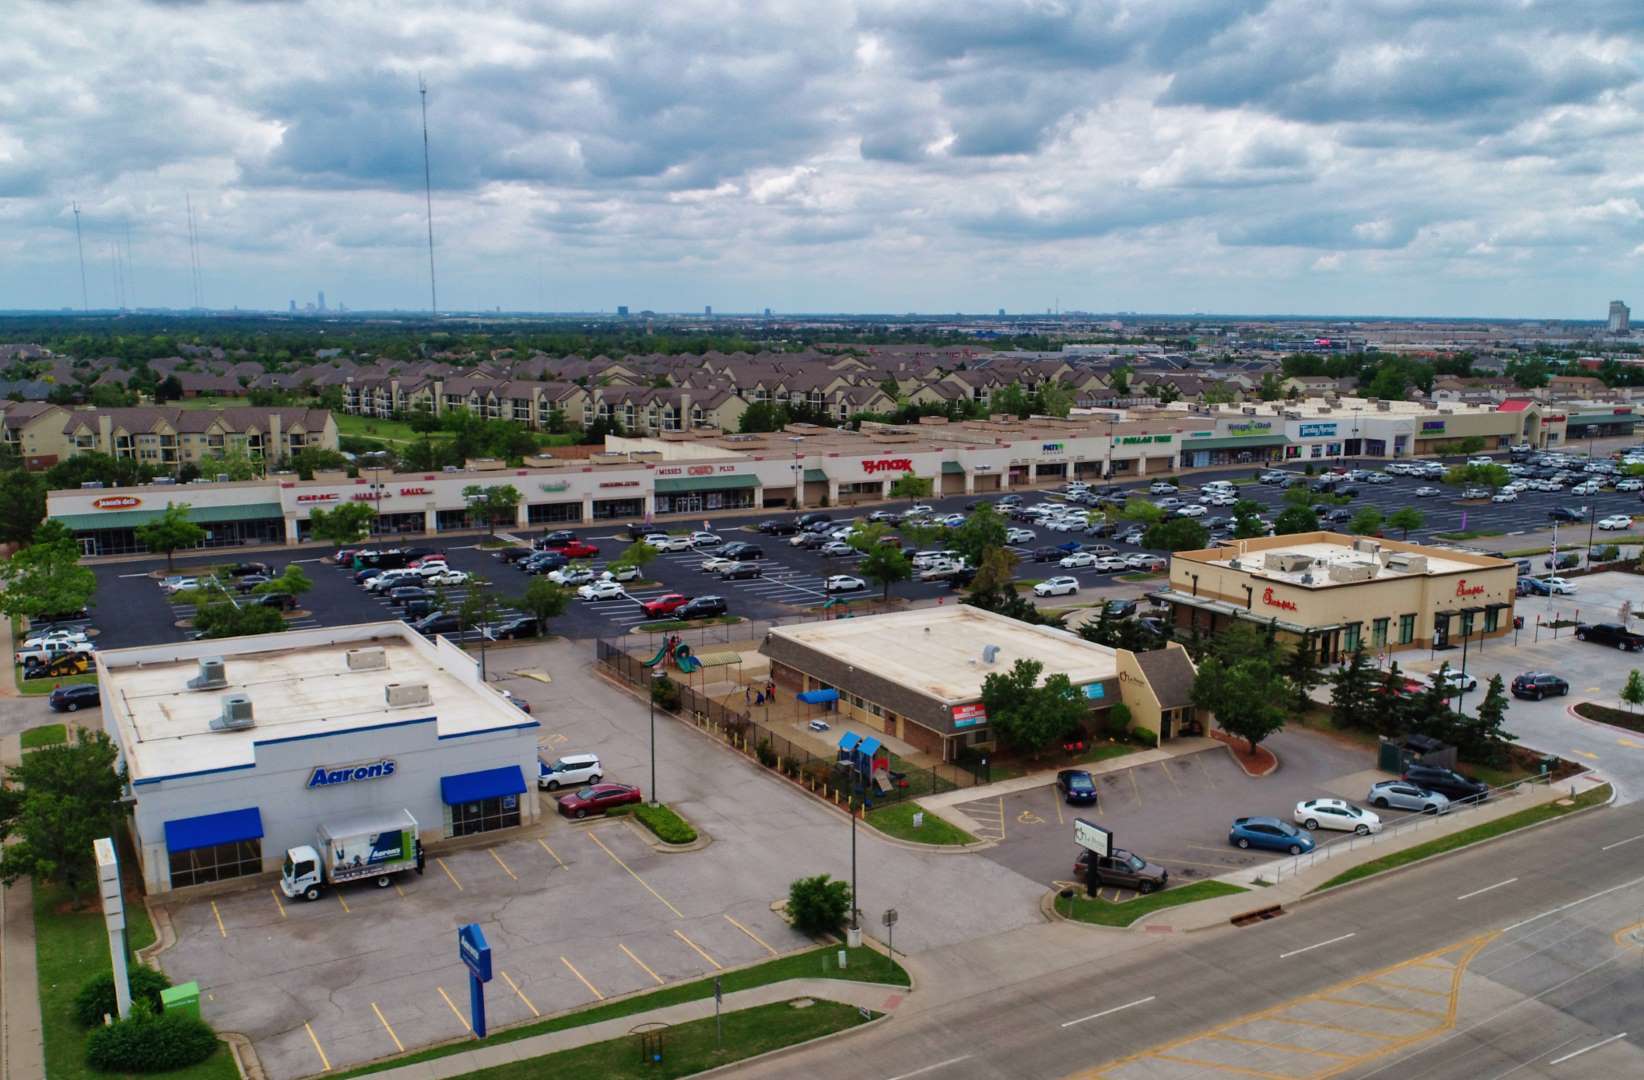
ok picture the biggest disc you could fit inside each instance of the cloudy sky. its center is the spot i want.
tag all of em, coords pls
(1466, 157)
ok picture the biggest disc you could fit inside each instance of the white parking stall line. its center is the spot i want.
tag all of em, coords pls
(1585, 1049)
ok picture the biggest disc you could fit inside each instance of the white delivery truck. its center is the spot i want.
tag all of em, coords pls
(374, 846)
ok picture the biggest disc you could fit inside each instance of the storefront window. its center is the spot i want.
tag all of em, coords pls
(1492, 619)
(1407, 629)
(546, 513)
(1350, 637)
(1466, 624)
(216, 863)
(605, 509)
(486, 815)
(1378, 634)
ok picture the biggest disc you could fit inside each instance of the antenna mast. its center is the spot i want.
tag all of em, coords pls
(85, 304)
(193, 255)
(428, 195)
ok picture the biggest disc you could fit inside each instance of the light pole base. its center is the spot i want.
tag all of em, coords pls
(853, 936)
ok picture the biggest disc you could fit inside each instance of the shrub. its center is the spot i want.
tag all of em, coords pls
(766, 755)
(150, 1042)
(96, 997)
(669, 827)
(665, 693)
(1118, 721)
(819, 905)
(1606, 553)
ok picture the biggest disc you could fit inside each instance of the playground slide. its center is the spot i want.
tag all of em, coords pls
(683, 658)
(657, 659)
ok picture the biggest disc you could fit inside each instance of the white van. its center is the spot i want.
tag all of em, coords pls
(569, 770)
(390, 579)
(924, 559)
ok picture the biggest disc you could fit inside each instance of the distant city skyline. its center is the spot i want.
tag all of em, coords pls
(868, 156)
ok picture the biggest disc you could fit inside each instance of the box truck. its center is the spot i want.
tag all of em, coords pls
(375, 846)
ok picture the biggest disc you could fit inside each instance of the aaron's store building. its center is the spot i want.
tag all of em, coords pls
(237, 749)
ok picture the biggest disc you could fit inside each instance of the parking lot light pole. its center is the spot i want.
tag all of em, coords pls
(657, 675)
(798, 474)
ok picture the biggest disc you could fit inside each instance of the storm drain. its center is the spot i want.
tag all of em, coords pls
(1250, 918)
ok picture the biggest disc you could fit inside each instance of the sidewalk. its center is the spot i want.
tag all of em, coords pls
(22, 1051)
(877, 996)
(1298, 877)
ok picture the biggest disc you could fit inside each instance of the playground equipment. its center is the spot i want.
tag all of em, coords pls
(681, 653)
(868, 758)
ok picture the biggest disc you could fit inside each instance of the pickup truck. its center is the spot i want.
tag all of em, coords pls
(1606, 633)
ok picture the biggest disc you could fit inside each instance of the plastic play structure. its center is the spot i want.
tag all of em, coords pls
(868, 758)
(681, 653)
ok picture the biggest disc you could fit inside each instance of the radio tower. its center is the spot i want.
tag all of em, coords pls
(195, 285)
(81, 248)
(428, 195)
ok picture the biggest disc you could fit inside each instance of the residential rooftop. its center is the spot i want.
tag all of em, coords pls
(939, 651)
(300, 683)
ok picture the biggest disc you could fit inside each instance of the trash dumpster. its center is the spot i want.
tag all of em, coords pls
(184, 998)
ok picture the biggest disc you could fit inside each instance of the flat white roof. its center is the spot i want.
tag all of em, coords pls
(1324, 554)
(299, 683)
(938, 651)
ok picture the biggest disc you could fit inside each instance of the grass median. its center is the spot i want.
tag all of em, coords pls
(690, 1048)
(71, 945)
(863, 965)
(897, 820)
(1478, 833)
(1085, 909)
(668, 826)
(45, 735)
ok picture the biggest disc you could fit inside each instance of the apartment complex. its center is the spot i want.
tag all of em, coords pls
(164, 437)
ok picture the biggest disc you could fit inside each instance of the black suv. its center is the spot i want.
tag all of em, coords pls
(1565, 513)
(525, 626)
(1447, 782)
(436, 623)
(702, 607)
(779, 527)
(1536, 685)
(807, 520)
(742, 570)
(741, 551)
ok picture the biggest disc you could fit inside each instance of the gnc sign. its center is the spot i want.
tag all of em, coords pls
(117, 502)
(900, 465)
(1273, 601)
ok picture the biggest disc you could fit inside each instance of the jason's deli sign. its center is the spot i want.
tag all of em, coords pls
(896, 465)
(327, 775)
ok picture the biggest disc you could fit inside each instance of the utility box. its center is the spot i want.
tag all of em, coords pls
(183, 999)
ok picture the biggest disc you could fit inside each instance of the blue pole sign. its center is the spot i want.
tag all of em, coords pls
(476, 955)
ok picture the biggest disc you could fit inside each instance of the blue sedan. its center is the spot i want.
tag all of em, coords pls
(1270, 833)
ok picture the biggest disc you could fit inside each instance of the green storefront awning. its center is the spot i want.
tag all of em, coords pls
(1581, 419)
(949, 468)
(815, 476)
(200, 515)
(704, 483)
(1229, 442)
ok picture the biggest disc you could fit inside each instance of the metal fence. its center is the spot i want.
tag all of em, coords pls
(824, 775)
(1274, 872)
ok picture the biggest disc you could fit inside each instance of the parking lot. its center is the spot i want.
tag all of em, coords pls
(1175, 812)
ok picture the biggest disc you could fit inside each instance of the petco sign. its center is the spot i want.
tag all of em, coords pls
(899, 465)
(324, 776)
(1273, 601)
(117, 502)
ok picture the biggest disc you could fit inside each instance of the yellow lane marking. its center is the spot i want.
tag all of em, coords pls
(636, 877)
(1165, 765)
(515, 987)
(550, 851)
(1462, 953)
(1633, 935)
(1208, 776)
(399, 890)
(275, 893)
(384, 1021)
(1629, 744)
(461, 1019)
(1289, 1048)
(1135, 788)
(338, 894)
(643, 966)
(1056, 801)
(448, 873)
(1222, 1068)
(699, 952)
(1586, 754)
(221, 930)
(759, 940)
(502, 864)
(325, 1062)
(1412, 989)
(1001, 817)
(591, 989)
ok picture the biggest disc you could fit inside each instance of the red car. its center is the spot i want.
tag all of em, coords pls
(578, 549)
(666, 604)
(597, 798)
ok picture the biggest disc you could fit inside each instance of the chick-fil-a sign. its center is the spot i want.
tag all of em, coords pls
(1464, 589)
(1273, 601)
(900, 464)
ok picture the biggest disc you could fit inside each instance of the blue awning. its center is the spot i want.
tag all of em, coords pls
(208, 830)
(818, 697)
(869, 747)
(848, 741)
(485, 784)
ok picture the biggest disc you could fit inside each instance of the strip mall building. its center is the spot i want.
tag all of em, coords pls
(1343, 592)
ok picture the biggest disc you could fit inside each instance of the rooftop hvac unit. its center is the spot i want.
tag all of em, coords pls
(90, 484)
(161, 481)
(213, 674)
(1384, 406)
(990, 653)
(236, 714)
(1307, 579)
(401, 695)
(371, 659)
(223, 478)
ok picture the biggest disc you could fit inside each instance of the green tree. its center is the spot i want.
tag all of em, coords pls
(983, 530)
(995, 571)
(909, 486)
(1633, 692)
(1404, 519)
(759, 417)
(168, 389)
(637, 555)
(1295, 519)
(1177, 534)
(1528, 373)
(1472, 444)
(1141, 512)
(545, 600)
(312, 459)
(480, 608)
(343, 525)
(1055, 399)
(1367, 522)
(22, 505)
(495, 503)
(1301, 673)
(46, 577)
(54, 804)
(1353, 699)
(1492, 476)
(1272, 386)
(884, 564)
(170, 531)
(234, 463)
(1483, 737)
(1118, 380)
(819, 905)
(1239, 682)
(1247, 522)
(1029, 717)
(222, 618)
(291, 582)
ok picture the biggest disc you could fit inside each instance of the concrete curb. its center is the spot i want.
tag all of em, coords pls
(772, 1055)
(1571, 710)
(659, 845)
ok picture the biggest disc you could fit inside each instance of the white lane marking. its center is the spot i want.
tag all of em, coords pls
(133, 575)
(1618, 843)
(305, 561)
(1109, 1012)
(1487, 888)
(1573, 903)
(1584, 1049)
(1320, 945)
(930, 1068)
